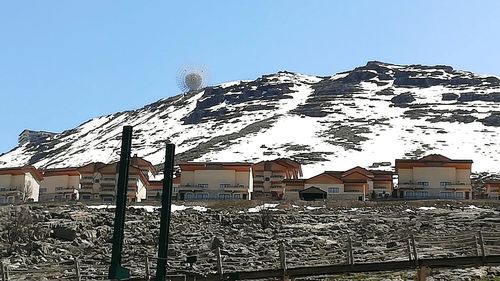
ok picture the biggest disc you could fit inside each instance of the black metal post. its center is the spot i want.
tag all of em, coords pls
(166, 205)
(116, 271)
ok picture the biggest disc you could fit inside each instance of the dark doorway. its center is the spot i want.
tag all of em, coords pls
(312, 193)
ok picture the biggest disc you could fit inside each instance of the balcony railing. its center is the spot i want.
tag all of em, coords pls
(86, 180)
(8, 190)
(65, 190)
(458, 186)
(108, 181)
(353, 191)
(235, 187)
(412, 186)
(107, 192)
(192, 187)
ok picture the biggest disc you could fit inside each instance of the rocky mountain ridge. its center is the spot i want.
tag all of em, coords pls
(371, 114)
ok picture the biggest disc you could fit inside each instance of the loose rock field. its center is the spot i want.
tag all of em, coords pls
(42, 240)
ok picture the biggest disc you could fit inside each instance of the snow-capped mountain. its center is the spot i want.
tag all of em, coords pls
(372, 114)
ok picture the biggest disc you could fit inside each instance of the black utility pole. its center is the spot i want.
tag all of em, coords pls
(166, 204)
(116, 271)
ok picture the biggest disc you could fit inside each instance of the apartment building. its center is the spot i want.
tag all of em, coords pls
(353, 184)
(268, 177)
(155, 190)
(434, 176)
(292, 188)
(19, 184)
(60, 185)
(492, 189)
(215, 181)
(98, 181)
(33, 136)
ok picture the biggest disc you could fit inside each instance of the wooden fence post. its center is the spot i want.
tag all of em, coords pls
(220, 271)
(478, 247)
(350, 258)
(147, 268)
(481, 244)
(415, 253)
(283, 259)
(2, 270)
(6, 272)
(408, 248)
(77, 270)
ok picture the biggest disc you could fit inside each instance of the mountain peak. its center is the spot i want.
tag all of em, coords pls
(371, 114)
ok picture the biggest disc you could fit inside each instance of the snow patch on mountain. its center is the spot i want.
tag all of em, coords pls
(371, 114)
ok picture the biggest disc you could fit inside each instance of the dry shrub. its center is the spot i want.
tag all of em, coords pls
(21, 230)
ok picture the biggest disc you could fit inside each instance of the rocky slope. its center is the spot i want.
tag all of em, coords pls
(47, 238)
(374, 113)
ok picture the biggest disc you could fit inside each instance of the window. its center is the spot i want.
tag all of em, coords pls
(423, 183)
(3, 188)
(203, 185)
(237, 196)
(43, 190)
(333, 190)
(201, 196)
(86, 197)
(3, 200)
(445, 183)
(459, 195)
(11, 199)
(409, 194)
(224, 185)
(59, 188)
(224, 196)
(189, 196)
(446, 194)
(107, 199)
(421, 194)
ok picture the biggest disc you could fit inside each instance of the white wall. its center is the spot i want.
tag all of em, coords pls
(434, 175)
(32, 186)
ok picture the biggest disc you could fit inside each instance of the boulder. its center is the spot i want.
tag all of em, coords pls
(449, 96)
(404, 98)
(64, 233)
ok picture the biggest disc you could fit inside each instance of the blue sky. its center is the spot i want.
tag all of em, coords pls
(64, 62)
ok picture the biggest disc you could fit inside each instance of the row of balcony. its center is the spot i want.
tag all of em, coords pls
(188, 187)
(103, 180)
(9, 190)
(446, 186)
